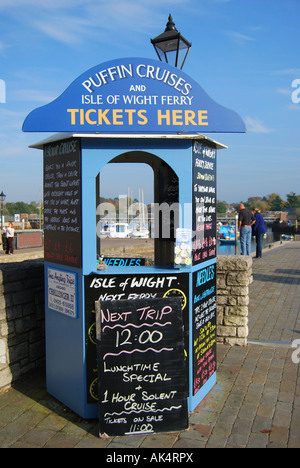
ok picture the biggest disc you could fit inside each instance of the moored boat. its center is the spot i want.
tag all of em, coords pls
(287, 237)
(120, 231)
(140, 231)
(227, 234)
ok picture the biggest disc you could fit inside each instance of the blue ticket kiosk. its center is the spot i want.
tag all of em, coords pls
(129, 111)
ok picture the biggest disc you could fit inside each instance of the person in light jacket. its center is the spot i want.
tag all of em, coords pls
(260, 229)
(10, 233)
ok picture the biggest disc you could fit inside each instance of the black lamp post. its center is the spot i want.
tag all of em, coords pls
(171, 46)
(2, 199)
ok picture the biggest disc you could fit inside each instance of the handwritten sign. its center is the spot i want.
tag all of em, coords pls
(204, 332)
(142, 377)
(204, 203)
(146, 287)
(62, 202)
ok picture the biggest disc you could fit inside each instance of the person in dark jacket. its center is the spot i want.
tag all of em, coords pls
(260, 229)
(245, 221)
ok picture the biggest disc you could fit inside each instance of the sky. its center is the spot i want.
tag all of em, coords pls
(245, 55)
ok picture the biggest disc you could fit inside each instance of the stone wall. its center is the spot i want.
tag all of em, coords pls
(22, 319)
(234, 275)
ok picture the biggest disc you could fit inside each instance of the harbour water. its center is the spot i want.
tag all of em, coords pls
(230, 249)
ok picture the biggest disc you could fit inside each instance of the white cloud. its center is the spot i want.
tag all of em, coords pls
(2, 47)
(38, 4)
(69, 30)
(238, 37)
(294, 107)
(284, 91)
(13, 151)
(288, 71)
(73, 21)
(31, 95)
(256, 126)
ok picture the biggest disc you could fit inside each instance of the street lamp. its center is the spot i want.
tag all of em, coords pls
(171, 46)
(2, 200)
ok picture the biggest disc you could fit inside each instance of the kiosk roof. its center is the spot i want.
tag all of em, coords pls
(63, 136)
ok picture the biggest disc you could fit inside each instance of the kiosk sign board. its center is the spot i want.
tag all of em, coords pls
(142, 377)
(134, 95)
(204, 203)
(130, 287)
(204, 325)
(62, 202)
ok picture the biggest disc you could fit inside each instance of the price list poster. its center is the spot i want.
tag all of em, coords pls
(204, 257)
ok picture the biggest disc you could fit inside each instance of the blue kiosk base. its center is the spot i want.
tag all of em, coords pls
(71, 359)
(182, 267)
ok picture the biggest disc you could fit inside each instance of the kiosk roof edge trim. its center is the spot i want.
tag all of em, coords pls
(134, 96)
(64, 136)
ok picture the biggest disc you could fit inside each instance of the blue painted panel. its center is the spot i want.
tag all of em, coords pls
(194, 401)
(134, 95)
(65, 353)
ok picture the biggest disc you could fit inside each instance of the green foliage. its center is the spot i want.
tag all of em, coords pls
(276, 204)
(221, 207)
(272, 202)
(293, 200)
(11, 209)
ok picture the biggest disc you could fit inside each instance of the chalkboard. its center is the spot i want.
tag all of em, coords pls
(99, 287)
(204, 326)
(62, 202)
(142, 378)
(204, 203)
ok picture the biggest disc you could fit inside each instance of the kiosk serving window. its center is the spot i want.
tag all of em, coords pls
(136, 217)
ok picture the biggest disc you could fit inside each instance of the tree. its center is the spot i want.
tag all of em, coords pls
(276, 203)
(293, 201)
(20, 208)
(253, 201)
(221, 207)
(263, 206)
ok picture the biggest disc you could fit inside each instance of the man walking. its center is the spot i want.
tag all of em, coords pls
(246, 220)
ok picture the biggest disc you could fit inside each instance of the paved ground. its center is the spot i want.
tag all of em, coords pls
(255, 403)
(21, 255)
